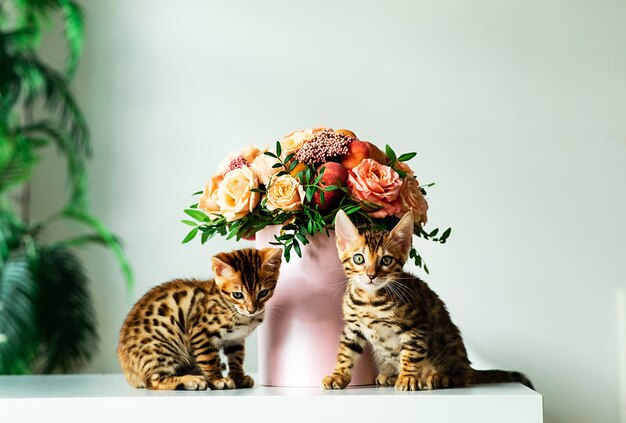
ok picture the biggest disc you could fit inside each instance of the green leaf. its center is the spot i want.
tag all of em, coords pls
(391, 155)
(197, 193)
(296, 247)
(191, 235)
(406, 157)
(279, 149)
(189, 222)
(197, 214)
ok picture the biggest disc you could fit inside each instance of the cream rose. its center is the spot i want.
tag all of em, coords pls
(208, 200)
(234, 195)
(411, 199)
(284, 192)
(262, 167)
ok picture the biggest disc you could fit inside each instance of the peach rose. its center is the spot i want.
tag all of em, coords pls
(285, 193)
(208, 200)
(262, 167)
(378, 184)
(234, 196)
(411, 199)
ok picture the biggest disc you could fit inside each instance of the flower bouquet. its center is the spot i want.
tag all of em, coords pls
(300, 185)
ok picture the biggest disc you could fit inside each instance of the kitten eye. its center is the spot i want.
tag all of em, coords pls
(263, 293)
(358, 258)
(237, 295)
(386, 260)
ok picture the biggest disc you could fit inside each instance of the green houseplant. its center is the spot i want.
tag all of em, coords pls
(47, 323)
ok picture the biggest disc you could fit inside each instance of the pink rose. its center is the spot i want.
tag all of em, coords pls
(411, 199)
(208, 200)
(375, 183)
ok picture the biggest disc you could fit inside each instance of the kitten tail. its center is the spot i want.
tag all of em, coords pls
(498, 376)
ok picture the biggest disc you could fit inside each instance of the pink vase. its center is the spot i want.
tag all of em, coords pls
(299, 338)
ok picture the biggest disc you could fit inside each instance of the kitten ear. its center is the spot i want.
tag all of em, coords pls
(272, 258)
(220, 266)
(345, 230)
(402, 233)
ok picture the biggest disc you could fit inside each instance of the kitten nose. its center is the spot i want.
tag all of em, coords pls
(372, 277)
(251, 308)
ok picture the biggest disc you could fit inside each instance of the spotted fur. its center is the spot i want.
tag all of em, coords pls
(172, 336)
(408, 326)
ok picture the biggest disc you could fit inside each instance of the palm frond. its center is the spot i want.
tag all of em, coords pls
(17, 160)
(106, 237)
(74, 34)
(67, 324)
(40, 78)
(18, 322)
(44, 132)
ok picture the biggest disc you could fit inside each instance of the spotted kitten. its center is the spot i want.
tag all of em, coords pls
(172, 336)
(416, 344)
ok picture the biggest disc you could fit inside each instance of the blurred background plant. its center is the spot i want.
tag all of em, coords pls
(47, 321)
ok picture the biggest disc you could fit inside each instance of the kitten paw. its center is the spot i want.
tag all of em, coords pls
(192, 383)
(407, 383)
(386, 380)
(434, 380)
(244, 382)
(335, 382)
(222, 383)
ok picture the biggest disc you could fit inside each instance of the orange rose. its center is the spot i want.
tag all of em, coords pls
(208, 200)
(234, 195)
(378, 184)
(411, 199)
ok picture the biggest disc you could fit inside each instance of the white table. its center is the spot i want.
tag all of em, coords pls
(107, 398)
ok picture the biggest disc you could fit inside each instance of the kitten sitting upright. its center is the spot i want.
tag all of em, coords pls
(172, 336)
(416, 344)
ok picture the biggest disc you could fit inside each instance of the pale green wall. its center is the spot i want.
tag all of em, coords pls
(517, 110)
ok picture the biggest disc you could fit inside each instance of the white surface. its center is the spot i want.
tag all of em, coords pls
(516, 109)
(106, 398)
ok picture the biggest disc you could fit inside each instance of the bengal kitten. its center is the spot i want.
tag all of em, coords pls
(172, 336)
(414, 341)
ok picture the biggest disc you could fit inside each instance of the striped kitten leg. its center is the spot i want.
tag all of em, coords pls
(412, 355)
(187, 382)
(208, 360)
(235, 353)
(350, 348)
